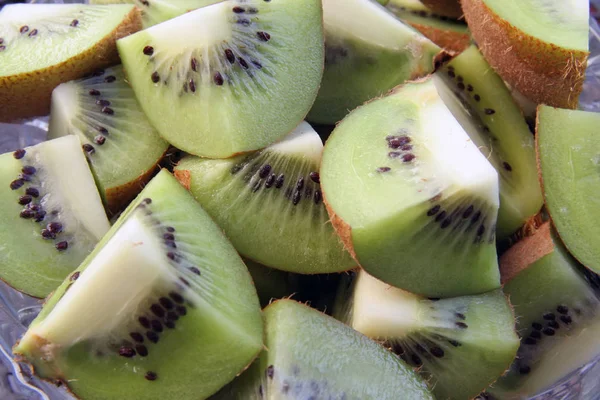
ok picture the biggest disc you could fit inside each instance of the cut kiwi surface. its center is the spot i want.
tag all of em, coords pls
(411, 195)
(269, 204)
(539, 47)
(459, 345)
(43, 45)
(122, 147)
(230, 77)
(568, 149)
(367, 52)
(52, 214)
(312, 356)
(153, 312)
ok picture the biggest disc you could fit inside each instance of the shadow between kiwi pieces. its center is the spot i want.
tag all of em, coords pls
(295, 366)
(228, 78)
(539, 48)
(448, 8)
(179, 297)
(411, 196)
(68, 40)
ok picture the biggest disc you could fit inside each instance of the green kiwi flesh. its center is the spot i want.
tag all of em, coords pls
(248, 77)
(411, 195)
(152, 313)
(117, 138)
(459, 345)
(269, 204)
(52, 214)
(312, 356)
(376, 54)
(568, 149)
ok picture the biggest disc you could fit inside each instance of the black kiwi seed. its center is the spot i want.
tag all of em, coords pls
(470, 88)
(88, 148)
(168, 236)
(19, 153)
(172, 256)
(152, 336)
(48, 234)
(145, 2)
(481, 230)
(16, 184)
(218, 78)
(562, 309)
(33, 192)
(24, 200)
(566, 319)
(416, 360)
(454, 343)
(548, 331)
(148, 50)
(126, 352)
(157, 310)
(170, 229)
(194, 64)
(433, 210)
(270, 181)
(170, 324)
(74, 23)
(460, 316)
(147, 200)
(535, 335)
(317, 196)
(524, 370)
(315, 177)
(553, 324)
(171, 244)
(279, 182)
(138, 337)
(181, 310)
(477, 97)
(437, 352)
(468, 212)
(103, 102)
(26, 214)
(100, 140)
(530, 341)
(192, 86)
(461, 325)
(270, 371)
(110, 79)
(151, 376)
(94, 92)
(75, 276)
(39, 216)
(62, 246)
(166, 303)
(507, 166)
(229, 55)
(156, 326)
(264, 36)
(243, 63)
(394, 154)
(28, 170)
(489, 111)
(144, 322)
(171, 316)
(440, 216)
(108, 110)
(446, 223)
(55, 227)
(296, 197)
(537, 326)
(177, 298)
(2, 47)
(238, 10)
(263, 172)
(408, 157)
(549, 316)
(476, 217)
(243, 21)
(383, 169)
(24, 29)
(33, 33)
(451, 74)
(300, 183)
(195, 270)
(155, 77)
(141, 350)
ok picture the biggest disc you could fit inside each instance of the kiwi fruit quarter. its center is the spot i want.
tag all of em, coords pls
(411, 196)
(568, 151)
(152, 313)
(367, 52)
(230, 77)
(309, 355)
(539, 47)
(459, 345)
(52, 214)
(121, 146)
(68, 41)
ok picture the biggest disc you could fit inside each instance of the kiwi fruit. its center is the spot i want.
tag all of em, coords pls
(121, 146)
(52, 213)
(270, 283)
(248, 77)
(459, 345)
(309, 355)
(411, 196)
(270, 205)
(539, 47)
(557, 306)
(164, 275)
(367, 52)
(68, 40)
(451, 34)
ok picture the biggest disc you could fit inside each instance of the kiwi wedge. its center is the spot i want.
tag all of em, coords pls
(367, 52)
(568, 150)
(68, 41)
(269, 204)
(122, 147)
(230, 77)
(52, 214)
(448, 8)
(312, 356)
(539, 47)
(557, 306)
(164, 275)
(459, 345)
(411, 196)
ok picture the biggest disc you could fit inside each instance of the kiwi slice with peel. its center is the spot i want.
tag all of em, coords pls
(230, 77)
(54, 212)
(68, 41)
(122, 147)
(269, 204)
(309, 355)
(539, 47)
(459, 345)
(411, 196)
(153, 311)
(367, 52)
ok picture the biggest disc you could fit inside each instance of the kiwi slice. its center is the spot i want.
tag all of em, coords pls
(121, 145)
(230, 77)
(269, 204)
(448, 8)
(568, 150)
(411, 195)
(557, 306)
(539, 47)
(367, 52)
(52, 214)
(484, 106)
(68, 40)
(164, 275)
(312, 356)
(459, 345)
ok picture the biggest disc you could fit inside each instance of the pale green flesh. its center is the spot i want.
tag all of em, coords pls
(254, 107)
(569, 153)
(564, 23)
(364, 62)
(415, 12)
(56, 40)
(192, 360)
(392, 235)
(27, 261)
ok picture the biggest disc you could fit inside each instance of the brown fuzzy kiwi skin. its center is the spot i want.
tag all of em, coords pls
(184, 177)
(543, 72)
(447, 8)
(28, 94)
(450, 40)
